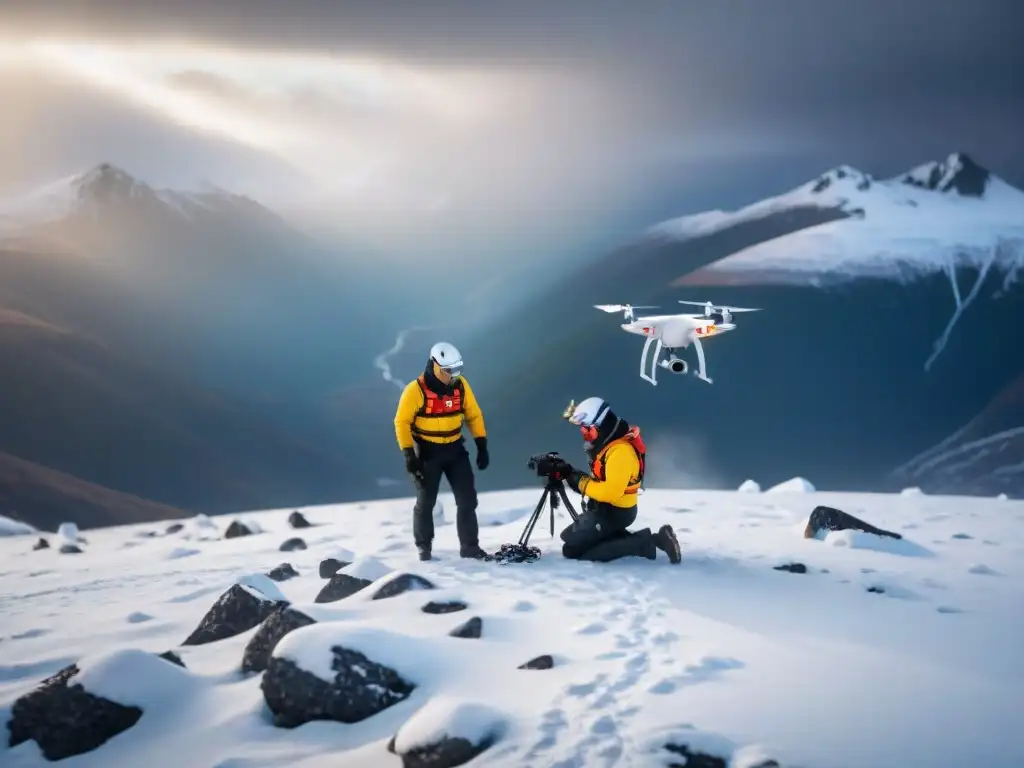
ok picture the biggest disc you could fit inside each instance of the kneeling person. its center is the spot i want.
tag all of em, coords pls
(617, 456)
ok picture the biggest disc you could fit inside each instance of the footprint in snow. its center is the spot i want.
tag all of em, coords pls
(961, 536)
(137, 617)
(594, 628)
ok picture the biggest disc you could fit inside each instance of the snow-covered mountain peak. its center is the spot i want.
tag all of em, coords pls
(958, 173)
(107, 189)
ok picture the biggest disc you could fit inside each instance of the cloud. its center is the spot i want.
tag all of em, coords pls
(461, 124)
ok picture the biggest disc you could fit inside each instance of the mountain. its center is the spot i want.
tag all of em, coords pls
(984, 457)
(48, 498)
(886, 326)
(205, 280)
(74, 405)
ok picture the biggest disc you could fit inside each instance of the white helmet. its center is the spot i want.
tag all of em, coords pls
(447, 357)
(589, 413)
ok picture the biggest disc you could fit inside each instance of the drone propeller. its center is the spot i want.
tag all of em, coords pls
(709, 306)
(623, 307)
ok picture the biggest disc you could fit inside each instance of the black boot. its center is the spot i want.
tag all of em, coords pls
(424, 553)
(474, 552)
(665, 540)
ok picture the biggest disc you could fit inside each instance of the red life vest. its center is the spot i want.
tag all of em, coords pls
(440, 405)
(632, 437)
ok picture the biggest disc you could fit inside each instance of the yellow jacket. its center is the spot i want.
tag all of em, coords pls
(621, 475)
(412, 422)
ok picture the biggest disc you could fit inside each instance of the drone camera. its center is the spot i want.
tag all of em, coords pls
(674, 365)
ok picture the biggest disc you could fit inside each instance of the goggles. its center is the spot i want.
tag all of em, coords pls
(454, 370)
(582, 420)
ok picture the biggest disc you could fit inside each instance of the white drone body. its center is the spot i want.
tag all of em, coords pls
(675, 332)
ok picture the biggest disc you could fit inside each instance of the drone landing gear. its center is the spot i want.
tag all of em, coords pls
(644, 365)
(658, 362)
(700, 374)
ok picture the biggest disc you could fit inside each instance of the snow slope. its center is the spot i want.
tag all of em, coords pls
(9, 527)
(931, 219)
(722, 653)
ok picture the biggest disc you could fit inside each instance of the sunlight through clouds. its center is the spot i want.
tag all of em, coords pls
(339, 120)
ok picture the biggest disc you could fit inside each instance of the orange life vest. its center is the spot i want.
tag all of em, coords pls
(437, 406)
(597, 466)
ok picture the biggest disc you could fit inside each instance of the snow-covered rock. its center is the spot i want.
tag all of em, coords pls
(749, 486)
(9, 527)
(793, 485)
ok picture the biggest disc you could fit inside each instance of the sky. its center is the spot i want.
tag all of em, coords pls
(492, 129)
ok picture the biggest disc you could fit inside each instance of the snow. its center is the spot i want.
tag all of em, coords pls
(793, 485)
(895, 230)
(68, 532)
(10, 527)
(722, 653)
(749, 486)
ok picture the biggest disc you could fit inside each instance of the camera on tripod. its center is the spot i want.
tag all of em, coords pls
(555, 470)
(550, 465)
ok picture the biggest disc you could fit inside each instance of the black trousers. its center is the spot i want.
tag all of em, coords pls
(449, 460)
(600, 535)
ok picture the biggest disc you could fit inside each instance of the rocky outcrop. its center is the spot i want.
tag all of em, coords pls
(65, 720)
(238, 610)
(360, 688)
(283, 620)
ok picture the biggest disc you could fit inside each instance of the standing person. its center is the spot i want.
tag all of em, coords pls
(617, 456)
(428, 423)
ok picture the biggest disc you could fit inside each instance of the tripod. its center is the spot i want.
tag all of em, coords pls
(554, 491)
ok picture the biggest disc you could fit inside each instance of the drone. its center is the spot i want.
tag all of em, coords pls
(675, 332)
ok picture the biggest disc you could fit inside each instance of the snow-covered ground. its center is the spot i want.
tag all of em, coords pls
(885, 653)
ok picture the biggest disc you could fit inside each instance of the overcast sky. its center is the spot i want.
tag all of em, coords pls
(558, 122)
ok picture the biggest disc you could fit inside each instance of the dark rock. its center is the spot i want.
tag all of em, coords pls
(282, 572)
(829, 518)
(70, 549)
(296, 520)
(41, 544)
(237, 610)
(695, 759)
(361, 688)
(292, 545)
(449, 752)
(237, 529)
(172, 657)
(65, 720)
(470, 630)
(540, 662)
(262, 644)
(792, 567)
(174, 528)
(450, 606)
(331, 566)
(404, 582)
(877, 590)
(339, 587)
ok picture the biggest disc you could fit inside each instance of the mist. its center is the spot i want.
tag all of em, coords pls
(681, 461)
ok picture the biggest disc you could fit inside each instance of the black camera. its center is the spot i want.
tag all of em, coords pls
(549, 465)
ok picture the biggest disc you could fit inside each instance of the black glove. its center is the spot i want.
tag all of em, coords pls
(575, 478)
(483, 458)
(413, 465)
